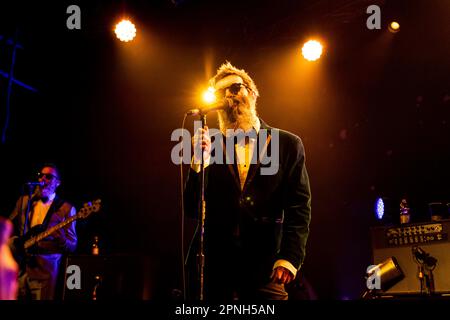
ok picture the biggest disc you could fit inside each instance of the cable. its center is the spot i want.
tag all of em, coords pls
(190, 244)
(182, 213)
(184, 257)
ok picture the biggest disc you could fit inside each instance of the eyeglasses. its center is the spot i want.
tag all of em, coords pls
(47, 176)
(234, 89)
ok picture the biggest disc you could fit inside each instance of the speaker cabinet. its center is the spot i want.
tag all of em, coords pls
(107, 277)
(399, 241)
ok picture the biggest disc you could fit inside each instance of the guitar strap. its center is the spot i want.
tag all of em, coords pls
(56, 204)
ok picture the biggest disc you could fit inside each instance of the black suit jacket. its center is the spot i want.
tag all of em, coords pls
(247, 230)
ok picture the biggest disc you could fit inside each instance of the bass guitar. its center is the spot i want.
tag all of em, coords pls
(21, 245)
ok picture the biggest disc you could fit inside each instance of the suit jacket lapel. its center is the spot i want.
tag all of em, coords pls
(232, 167)
(254, 167)
(53, 208)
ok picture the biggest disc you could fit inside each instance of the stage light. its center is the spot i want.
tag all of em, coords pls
(209, 96)
(386, 211)
(125, 30)
(379, 208)
(394, 27)
(382, 277)
(312, 50)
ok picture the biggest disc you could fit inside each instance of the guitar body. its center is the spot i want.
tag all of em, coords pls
(20, 254)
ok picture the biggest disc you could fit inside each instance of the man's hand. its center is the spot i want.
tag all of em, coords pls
(201, 140)
(282, 275)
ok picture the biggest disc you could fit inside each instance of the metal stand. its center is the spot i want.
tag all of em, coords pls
(202, 215)
(425, 265)
(26, 225)
(11, 80)
(426, 279)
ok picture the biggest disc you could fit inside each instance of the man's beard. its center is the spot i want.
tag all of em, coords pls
(242, 115)
(44, 192)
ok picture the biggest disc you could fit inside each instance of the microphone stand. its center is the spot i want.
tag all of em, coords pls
(202, 215)
(27, 221)
(202, 204)
(426, 265)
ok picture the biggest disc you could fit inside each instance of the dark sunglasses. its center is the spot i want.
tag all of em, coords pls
(47, 176)
(234, 89)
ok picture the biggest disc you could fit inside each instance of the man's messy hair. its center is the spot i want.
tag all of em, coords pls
(227, 69)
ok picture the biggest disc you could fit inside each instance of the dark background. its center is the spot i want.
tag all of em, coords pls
(373, 114)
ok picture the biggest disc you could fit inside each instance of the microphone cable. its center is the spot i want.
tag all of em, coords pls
(182, 213)
(184, 258)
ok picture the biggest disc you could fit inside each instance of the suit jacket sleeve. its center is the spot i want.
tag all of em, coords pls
(63, 240)
(70, 234)
(297, 208)
(16, 215)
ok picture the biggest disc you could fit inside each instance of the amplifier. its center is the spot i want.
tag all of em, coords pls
(398, 241)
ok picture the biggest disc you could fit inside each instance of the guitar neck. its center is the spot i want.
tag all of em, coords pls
(30, 242)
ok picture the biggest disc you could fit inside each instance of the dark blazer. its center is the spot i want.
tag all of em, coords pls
(45, 258)
(247, 231)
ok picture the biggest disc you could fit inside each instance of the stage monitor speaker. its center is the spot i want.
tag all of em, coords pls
(107, 277)
(398, 242)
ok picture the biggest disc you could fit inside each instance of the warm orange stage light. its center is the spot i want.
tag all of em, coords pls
(209, 96)
(312, 50)
(125, 30)
(394, 27)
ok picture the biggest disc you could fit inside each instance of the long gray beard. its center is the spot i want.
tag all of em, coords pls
(242, 117)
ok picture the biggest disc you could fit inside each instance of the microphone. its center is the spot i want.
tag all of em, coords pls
(35, 183)
(219, 105)
(421, 255)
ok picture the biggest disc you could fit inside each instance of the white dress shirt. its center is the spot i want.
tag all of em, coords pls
(40, 209)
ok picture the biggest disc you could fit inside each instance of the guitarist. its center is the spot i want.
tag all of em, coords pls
(40, 264)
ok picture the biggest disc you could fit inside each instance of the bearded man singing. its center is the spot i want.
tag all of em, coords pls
(257, 223)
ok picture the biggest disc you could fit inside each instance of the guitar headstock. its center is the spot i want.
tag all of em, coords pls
(88, 208)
